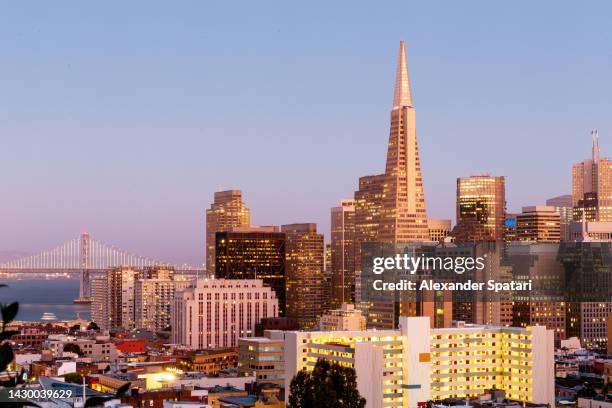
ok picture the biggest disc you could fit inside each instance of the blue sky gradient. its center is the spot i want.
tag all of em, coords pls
(123, 118)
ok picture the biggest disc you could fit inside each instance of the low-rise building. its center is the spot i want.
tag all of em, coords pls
(208, 362)
(263, 357)
(345, 318)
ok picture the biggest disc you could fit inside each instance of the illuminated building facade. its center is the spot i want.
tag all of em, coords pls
(592, 186)
(438, 229)
(390, 207)
(482, 199)
(253, 253)
(216, 312)
(413, 364)
(344, 318)
(563, 205)
(368, 205)
(342, 253)
(264, 357)
(226, 212)
(587, 321)
(304, 268)
(153, 300)
(538, 223)
(403, 216)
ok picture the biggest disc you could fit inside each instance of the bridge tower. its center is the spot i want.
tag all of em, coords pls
(85, 266)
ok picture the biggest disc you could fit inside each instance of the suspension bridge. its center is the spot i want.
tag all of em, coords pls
(86, 256)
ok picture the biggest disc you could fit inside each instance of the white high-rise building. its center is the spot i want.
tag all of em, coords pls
(413, 364)
(216, 312)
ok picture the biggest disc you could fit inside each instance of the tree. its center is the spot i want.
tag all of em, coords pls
(75, 328)
(329, 385)
(8, 312)
(74, 378)
(73, 348)
(93, 326)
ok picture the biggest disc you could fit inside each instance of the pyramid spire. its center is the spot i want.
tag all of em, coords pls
(402, 95)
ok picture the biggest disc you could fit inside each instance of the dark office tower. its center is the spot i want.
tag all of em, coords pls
(343, 253)
(228, 211)
(403, 214)
(253, 253)
(304, 265)
(481, 202)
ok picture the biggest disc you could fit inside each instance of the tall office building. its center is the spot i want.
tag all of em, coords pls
(343, 253)
(481, 202)
(253, 253)
(538, 262)
(592, 186)
(403, 216)
(327, 278)
(563, 205)
(408, 366)
(539, 223)
(368, 206)
(438, 229)
(304, 268)
(390, 207)
(216, 312)
(226, 212)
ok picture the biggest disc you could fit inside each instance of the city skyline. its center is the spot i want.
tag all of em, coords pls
(149, 195)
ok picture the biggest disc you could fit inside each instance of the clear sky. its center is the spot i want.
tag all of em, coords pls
(123, 118)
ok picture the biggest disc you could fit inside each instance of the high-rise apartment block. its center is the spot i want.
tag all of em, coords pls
(304, 269)
(592, 186)
(481, 201)
(253, 253)
(411, 365)
(153, 299)
(563, 205)
(216, 312)
(343, 253)
(438, 229)
(538, 223)
(226, 212)
(133, 298)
